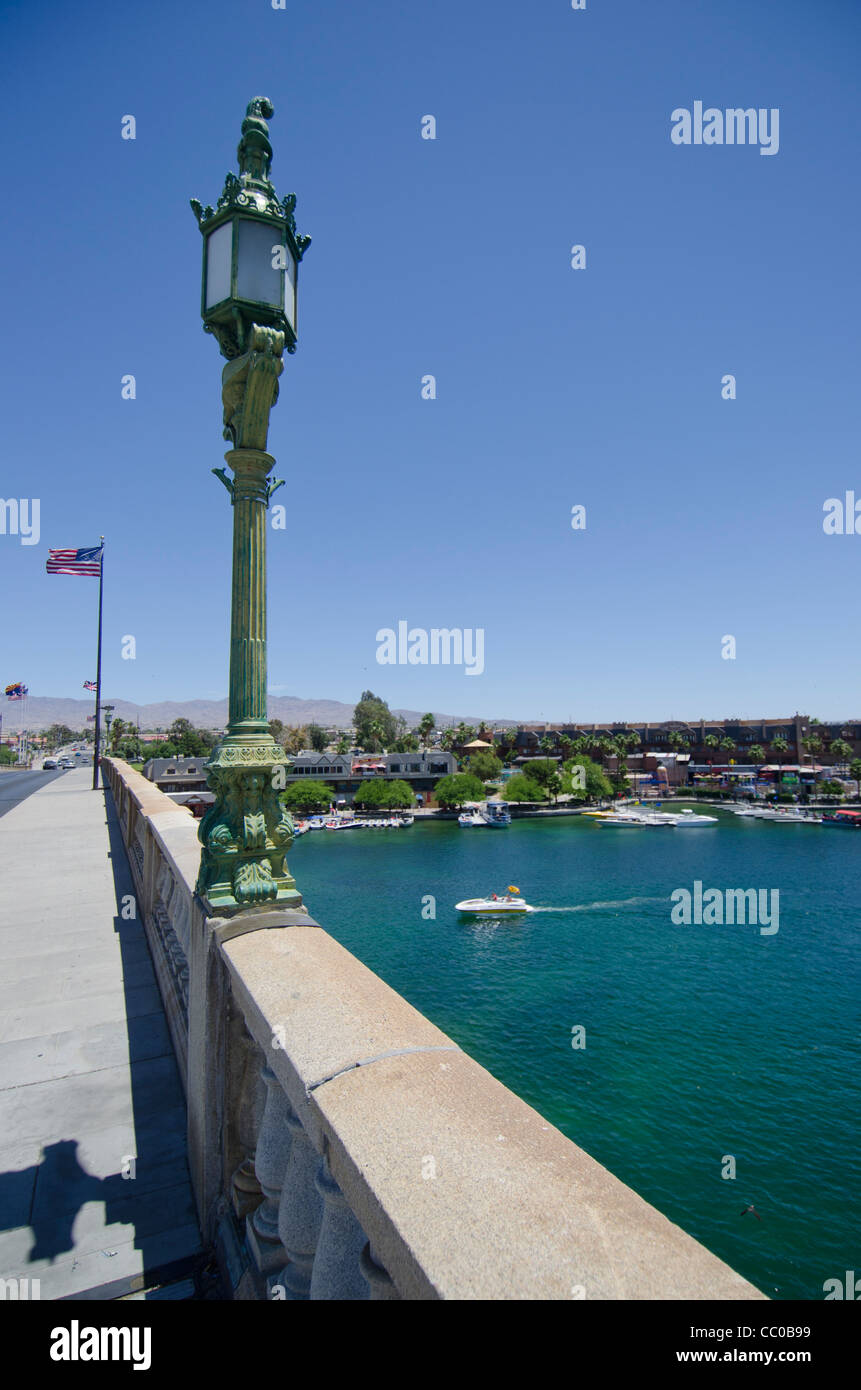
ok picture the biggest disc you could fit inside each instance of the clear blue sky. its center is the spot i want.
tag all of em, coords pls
(451, 257)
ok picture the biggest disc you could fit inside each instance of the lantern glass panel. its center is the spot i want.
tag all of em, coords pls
(256, 277)
(218, 251)
(290, 290)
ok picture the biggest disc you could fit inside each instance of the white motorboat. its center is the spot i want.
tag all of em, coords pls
(690, 819)
(494, 905)
(471, 816)
(629, 820)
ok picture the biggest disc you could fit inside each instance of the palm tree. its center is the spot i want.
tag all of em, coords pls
(427, 724)
(780, 746)
(842, 751)
(757, 753)
(375, 735)
(546, 744)
(727, 743)
(812, 745)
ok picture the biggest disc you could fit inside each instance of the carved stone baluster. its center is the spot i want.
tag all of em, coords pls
(270, 1162)
(245, 1188)
(300, 1214)
(379, 1280)
(336, 1265)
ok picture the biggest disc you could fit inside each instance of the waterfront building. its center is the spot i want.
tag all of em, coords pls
(663, 736)
(345, 774)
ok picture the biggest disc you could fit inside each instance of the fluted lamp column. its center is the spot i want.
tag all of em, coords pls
(250, 265)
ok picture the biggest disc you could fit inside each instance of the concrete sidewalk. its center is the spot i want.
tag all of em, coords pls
(95, 1198)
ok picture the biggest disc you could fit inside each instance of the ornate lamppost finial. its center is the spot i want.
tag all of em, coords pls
(255, 152)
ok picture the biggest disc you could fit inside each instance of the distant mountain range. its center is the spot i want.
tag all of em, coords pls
(44, 710)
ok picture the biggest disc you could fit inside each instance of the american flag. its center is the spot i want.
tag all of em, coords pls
(89, 685)
(85, 561)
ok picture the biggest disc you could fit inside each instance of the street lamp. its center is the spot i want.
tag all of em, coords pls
(251, 252)
(108, 712)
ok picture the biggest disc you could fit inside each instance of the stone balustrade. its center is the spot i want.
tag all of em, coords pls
(343, 1147)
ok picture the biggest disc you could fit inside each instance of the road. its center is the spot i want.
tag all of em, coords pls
(15, 787)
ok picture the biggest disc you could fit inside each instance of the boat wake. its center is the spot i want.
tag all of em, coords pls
(594, 907)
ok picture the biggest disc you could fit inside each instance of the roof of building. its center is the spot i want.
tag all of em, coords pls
(175, 767)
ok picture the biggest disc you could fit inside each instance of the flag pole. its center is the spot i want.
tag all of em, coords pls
(99, 671)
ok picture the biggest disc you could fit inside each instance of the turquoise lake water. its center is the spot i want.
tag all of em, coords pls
(701, 1041)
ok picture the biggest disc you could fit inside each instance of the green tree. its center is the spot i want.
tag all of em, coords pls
(510, 745)
(129, 749)
(780, 746)
(829, 789)
(318, 738)
(277, 730)
(457, 788)
(523, 788)
(842, 751)
(7, 755)
(384, 792)
(597, 783)
(756, 752)
(427, 724)
(376, 726)
(309, 797)
(855, 769)
(343, 746)
(542, 771)
(812, 745)
(484, 765)
(58, 735)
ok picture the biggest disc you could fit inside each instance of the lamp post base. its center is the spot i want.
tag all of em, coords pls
(247, 832)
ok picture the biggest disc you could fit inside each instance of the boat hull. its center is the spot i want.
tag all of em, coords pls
(486, 907)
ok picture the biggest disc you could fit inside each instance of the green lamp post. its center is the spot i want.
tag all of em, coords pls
(251, 253)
